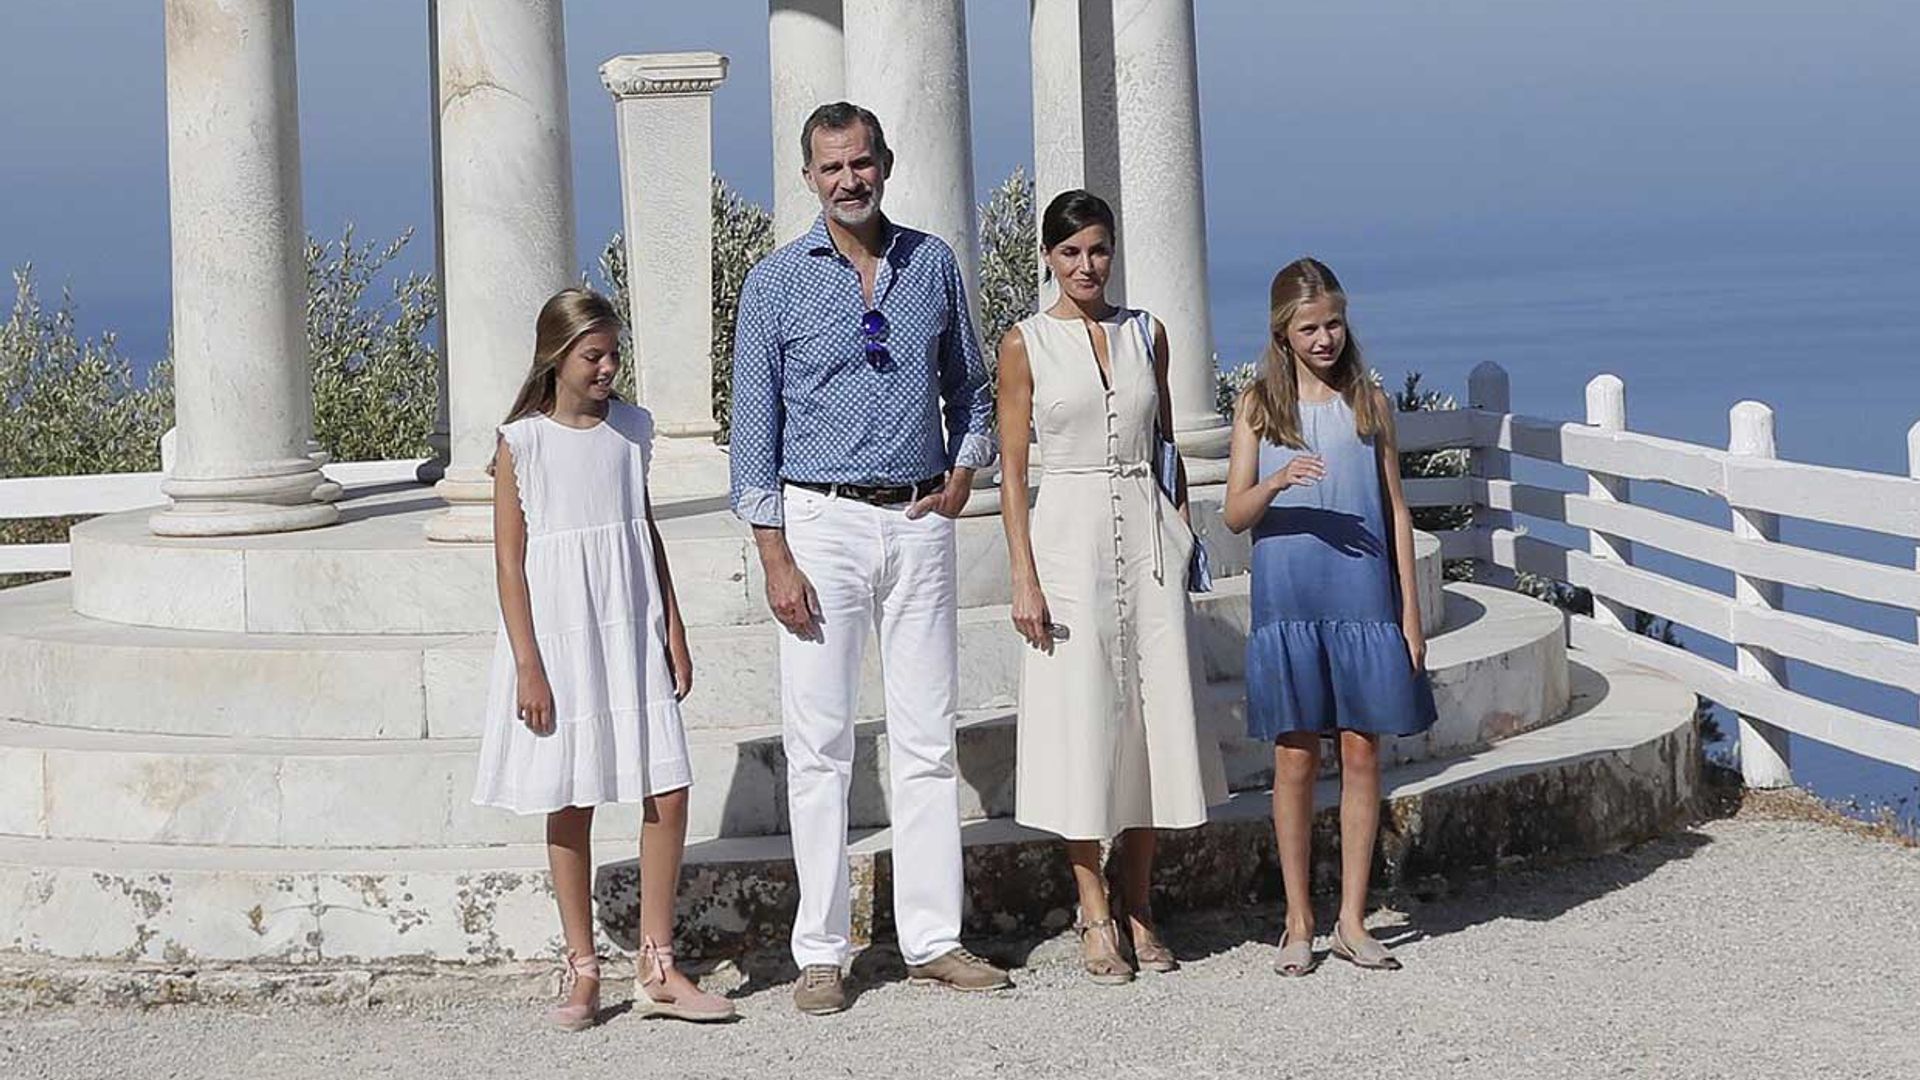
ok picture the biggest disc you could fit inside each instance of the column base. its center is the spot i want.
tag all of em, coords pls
(326, 490)
(284, 496)
(468, 518)
(1204, 447)
(239, 519)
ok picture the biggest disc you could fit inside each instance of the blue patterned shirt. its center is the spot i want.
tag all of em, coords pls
(808, 402)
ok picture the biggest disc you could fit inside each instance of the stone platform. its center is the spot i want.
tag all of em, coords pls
(261, 748)
(1616, 768)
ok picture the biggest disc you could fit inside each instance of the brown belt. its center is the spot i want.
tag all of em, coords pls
(876, 496)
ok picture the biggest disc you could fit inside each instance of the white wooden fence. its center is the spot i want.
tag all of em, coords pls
(28, 497)
(1757, 491)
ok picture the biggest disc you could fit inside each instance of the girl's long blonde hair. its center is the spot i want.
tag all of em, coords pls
(565, 318)
(1272, 401)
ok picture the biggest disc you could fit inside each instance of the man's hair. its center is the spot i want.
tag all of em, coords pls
(840, 116)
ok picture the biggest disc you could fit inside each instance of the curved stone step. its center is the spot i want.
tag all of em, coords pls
(58, 667)
(376, 573)
(1616, 770)
(1498, 667)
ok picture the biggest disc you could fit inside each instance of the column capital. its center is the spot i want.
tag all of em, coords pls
(650, 74)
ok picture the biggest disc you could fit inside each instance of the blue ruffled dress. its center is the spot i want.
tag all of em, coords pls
(1325, 651)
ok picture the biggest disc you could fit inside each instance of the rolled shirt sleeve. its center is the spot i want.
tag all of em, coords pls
(754, 453)
(964, 386)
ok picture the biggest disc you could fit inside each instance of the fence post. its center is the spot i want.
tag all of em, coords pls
(1489, 389)
(1913, 470)
(1607, 410)
(1765, 759)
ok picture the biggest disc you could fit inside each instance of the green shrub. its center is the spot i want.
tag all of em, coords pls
(374, 387)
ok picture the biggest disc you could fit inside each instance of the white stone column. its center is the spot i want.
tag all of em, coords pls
(807, 52)
(1163, 232)
(242, 383)
(663, 111)
(1076, 140)
(506, 185)
(908, 63)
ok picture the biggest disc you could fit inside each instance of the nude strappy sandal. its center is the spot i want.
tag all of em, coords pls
(699, 1007)
(1100, 952)
(1369, 954)
(571, 1017)
(1296, 958)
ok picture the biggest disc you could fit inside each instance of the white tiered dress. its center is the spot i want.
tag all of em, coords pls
(600, 623)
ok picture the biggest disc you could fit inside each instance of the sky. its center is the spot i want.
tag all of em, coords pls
(1410, 139)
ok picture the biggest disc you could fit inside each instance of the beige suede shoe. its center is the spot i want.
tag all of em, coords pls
(819, 990)
(960, 970)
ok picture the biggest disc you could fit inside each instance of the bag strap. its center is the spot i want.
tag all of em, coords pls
(1142, 321)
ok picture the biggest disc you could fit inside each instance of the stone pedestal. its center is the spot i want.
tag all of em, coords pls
(506, 212)
(663, 109)
(1163, 233)
(908, 63)
(806, 47)
(242, 383)
(1075, 129)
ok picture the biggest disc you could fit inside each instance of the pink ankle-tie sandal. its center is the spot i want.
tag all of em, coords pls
(650, 972)
(569, 1016)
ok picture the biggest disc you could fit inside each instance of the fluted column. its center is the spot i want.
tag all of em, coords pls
(807, 50)
(908, 63)
(1164, 235)
(1075, 129)
(242, 385)
(506, 184)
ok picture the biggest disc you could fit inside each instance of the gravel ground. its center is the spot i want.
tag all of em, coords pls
(1746, 948)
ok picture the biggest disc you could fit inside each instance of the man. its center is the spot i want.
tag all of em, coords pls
(852, 343)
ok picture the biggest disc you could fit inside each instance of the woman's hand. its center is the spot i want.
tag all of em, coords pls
(1416, 645)
(534, 699)
(1030, 615)
(680, 662)
(1304, 470)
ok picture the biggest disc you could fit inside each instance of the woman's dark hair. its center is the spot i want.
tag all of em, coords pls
(1071, 211)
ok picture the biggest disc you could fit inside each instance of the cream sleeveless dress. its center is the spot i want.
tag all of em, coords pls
(1107, 736)
(598, 617)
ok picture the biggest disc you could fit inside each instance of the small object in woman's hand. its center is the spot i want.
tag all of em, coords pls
(1058, 631)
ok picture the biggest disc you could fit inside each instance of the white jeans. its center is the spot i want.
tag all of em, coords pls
(873, 569)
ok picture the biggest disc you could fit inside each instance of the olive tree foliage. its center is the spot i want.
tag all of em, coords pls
(1009, 259)
(374, 362)
(71, 405)
(742, 236)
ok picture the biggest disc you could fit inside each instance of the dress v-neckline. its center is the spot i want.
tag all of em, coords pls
(1085, 326)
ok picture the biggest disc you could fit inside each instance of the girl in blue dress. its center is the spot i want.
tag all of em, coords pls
(1335, 649)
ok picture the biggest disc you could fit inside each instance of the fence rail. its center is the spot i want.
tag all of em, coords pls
(1756, 489)
(30, 497)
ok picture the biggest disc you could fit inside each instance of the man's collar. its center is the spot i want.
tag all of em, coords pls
(820, 241)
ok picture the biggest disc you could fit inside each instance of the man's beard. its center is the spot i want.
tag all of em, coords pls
(854, 217)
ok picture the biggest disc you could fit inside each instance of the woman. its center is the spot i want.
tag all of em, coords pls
(1108, 743)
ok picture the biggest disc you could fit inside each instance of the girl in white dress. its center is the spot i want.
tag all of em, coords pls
(583, 707)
